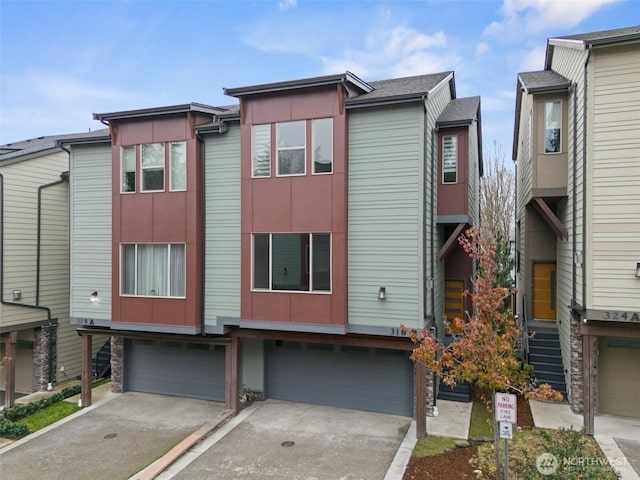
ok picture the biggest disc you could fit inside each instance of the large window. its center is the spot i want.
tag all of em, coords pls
(128, 169)
(178, 163)
(552, 131)
(292, 262)
(152, 166)
(291, 141)
(323, 145)
(153, 270)
(261, 150)
(450, 159)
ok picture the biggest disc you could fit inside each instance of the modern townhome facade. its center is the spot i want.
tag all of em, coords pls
(277, 245)
(39, 346)
(577, 149)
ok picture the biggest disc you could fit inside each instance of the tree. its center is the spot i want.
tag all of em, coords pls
(497, 193)
(483, 351)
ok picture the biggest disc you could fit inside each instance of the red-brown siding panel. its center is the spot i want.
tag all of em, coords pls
(453, 198)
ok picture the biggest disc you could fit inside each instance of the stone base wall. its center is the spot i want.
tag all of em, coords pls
(117, 364)
(431, 393)
(44, 356)
(576, 397)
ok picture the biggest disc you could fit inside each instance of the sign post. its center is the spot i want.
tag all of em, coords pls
(506, 413)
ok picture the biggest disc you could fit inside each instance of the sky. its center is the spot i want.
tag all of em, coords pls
(62, 61)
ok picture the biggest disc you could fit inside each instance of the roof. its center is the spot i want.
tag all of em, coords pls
(459, 111)
(168, 110)
(615, 35)
(543, 81)
(16, 150)
(399, 89)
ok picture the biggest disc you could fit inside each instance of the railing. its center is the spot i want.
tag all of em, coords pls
(525, 330)
(102, 361)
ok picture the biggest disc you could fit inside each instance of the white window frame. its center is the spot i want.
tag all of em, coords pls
(457, 169)
(153, 167)
(171, 189)
(266, 126)
(135, 164)
(313, 144)
(309, 265)
(135, 267)
(302, 147)
(544, 136)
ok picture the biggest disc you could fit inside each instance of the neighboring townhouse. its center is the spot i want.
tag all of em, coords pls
(278, 245)
(40, 346)
(577, 149)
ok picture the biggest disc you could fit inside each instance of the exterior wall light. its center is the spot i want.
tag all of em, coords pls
(16, 295)
(382, 294)
(637, 269)
(94, 297)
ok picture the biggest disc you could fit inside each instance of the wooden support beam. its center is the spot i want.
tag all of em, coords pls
(588, 390)
(85, 394)
(232, 372)
(550, 218)
(421, 399)
(451, 241)
(10, 339)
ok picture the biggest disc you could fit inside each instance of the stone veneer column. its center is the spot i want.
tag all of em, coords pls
(117, 363)
(576, 392)
(431, 392)
(44, 356)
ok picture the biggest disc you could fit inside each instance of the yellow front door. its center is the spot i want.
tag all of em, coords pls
(544, 291)
(453, 299)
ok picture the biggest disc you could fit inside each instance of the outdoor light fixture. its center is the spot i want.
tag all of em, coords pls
(94, 297)
(577, 258)
(382, 294)
(638, 270)
(17, 295)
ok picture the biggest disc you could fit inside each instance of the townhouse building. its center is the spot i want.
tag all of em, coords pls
(39, 346)
(277, 245)
(577, 150)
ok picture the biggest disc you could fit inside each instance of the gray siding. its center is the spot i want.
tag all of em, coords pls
(385, 212)
(222, 226)
(91, 230)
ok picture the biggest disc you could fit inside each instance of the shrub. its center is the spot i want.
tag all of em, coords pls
(10, 429)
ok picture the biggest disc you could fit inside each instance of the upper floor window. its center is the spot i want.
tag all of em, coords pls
(552, 130)
(178, 166)
(128, 169)
(292, 262)
(322, 145)
(261, 150)
(152, 166)
(450, 159)
(153, 270)
(291, 145)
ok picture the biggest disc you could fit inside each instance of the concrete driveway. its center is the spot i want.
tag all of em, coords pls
(275, 439)
(110, 440)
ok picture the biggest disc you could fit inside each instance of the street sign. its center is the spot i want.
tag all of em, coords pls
(506, 430)
(506, 408)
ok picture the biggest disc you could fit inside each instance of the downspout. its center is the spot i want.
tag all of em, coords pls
(425, 184)
(574, 220)
(584, 184)
(204, 236)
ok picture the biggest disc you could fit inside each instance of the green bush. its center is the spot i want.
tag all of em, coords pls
(20, 411)
(9, 429)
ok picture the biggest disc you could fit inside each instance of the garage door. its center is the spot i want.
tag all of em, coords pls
(361, 378)
(174, 368)
(619, 376)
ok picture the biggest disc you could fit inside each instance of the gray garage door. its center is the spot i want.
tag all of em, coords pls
(362, 378)
(174, 368)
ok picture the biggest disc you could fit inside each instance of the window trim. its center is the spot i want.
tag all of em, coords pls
(186, 167)
(303, 147)
(143, 168)
(270, 289)
(135, 167)
(544, 130)
(135, 267)
(313, 139)
(444, 182)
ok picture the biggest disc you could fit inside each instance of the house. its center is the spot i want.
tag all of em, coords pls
(40, 345)
(277, 245)
(577, 150)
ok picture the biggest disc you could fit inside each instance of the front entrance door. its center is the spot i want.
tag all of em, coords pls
(453, 299)
(544, 291)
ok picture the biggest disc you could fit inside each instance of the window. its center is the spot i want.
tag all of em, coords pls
(450, 159)
(552, 133)
(292, 262)
(153, 270)
(291, 138)
(322, 145)
(178, 166)
(261, 150)
(128, 169)
(152, 164)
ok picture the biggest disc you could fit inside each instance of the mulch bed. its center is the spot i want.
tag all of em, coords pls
(455, 464)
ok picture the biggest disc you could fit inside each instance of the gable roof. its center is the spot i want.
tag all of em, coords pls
(459, 111)
(615, 35)
(543, 81)
(27, 148)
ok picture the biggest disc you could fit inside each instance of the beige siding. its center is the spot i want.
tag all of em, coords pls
(614, 179)
(91, 230)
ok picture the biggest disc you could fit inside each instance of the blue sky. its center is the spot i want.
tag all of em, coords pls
(62, 61)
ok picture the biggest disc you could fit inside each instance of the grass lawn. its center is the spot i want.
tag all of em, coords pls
(49, 415)
(432, 445)
(481, 421)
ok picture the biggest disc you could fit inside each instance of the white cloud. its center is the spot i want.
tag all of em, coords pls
(535, 16)
(482, 48)
(287, 4)
(532, 59)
